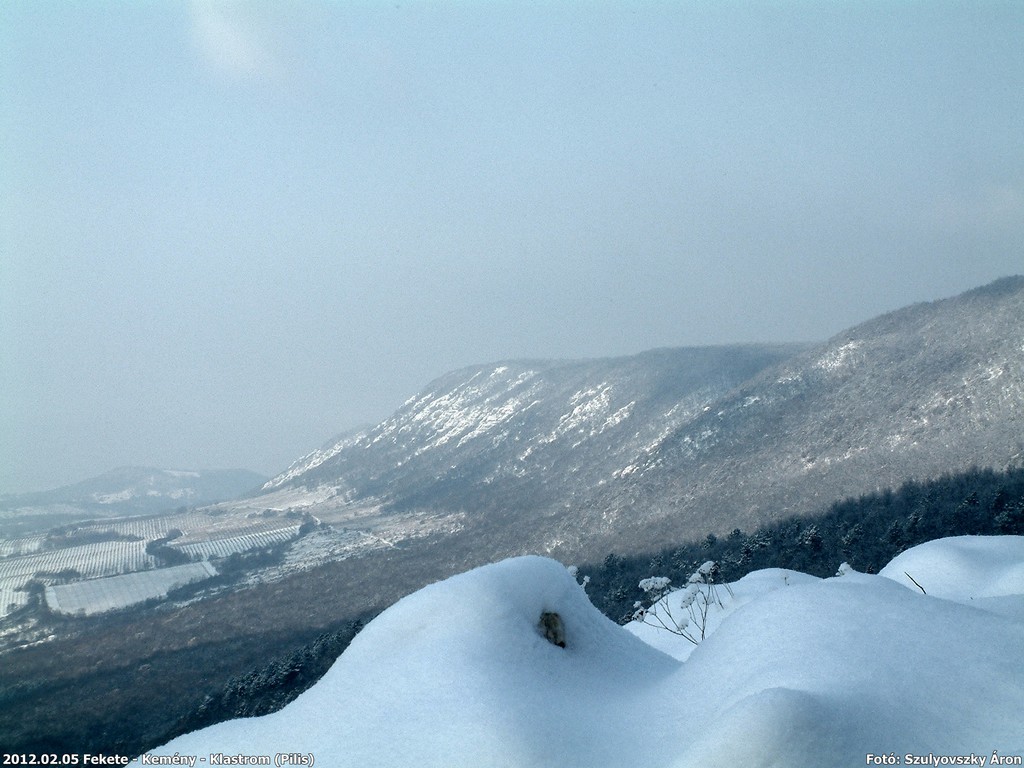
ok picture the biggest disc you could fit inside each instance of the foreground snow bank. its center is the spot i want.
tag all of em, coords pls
(795, 672)
(460, 674)
(823, 674)
(981, 571)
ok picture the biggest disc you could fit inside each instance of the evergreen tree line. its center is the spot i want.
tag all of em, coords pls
(866, 532)
(268, 689)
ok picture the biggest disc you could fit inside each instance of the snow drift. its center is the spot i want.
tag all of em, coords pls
(796, 672)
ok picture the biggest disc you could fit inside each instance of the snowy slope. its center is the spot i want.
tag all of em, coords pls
(804, 672)
(929, 389)
(541, 430)
(579, 458)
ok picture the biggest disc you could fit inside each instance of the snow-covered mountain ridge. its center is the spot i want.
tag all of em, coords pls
(929, 389)
(542, 430)
(583, 455)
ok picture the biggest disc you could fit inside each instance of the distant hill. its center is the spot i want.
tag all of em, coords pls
(121, 492)
(577, 456)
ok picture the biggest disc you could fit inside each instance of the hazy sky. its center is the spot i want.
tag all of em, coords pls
(230, 230)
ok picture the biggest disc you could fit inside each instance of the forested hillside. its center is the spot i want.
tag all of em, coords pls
(865, 532)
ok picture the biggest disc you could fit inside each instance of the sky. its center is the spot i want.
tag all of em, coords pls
(232, 230)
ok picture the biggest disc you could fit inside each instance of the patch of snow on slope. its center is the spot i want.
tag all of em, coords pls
(113, 498)
(311, 461)
(487, 419)
(681, 413)
(23, 545)
(469, 410)
(283, 499)
(587, 405)
(590, 415)
(176, 494)
(841, 357)
(806, 672)
(619, 416)
(12, 600)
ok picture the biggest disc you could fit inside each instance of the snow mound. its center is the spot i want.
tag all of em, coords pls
(460, 674)
(796, 672)
(824, 673)
(962, 567)
(754, 585)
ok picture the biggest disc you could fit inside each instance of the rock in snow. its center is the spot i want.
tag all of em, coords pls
(804, 672)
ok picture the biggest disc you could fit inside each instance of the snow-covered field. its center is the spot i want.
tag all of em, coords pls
(99, 595)
(342, 530)
(794, 671)
(201, 537)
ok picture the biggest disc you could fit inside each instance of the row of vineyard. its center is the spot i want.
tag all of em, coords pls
(147, 528)
(194, 526)
(106, 594)
(228, 546)
(150, 528)
(23, 545)
(232, 527)
(89, 561)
